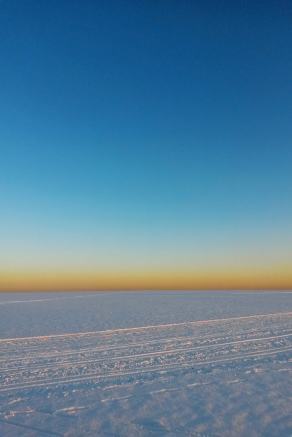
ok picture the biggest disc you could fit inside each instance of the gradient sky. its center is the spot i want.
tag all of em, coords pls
(145, 144)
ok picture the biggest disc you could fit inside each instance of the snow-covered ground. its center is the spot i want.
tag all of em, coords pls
(126, 364)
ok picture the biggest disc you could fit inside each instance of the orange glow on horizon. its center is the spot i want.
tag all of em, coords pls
(272, 277)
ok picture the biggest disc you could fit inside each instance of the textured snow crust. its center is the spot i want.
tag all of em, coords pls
(229, 374)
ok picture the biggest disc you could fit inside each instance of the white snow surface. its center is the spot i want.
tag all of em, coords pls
(143, 364)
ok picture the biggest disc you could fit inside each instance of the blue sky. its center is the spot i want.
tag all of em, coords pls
(151, 129)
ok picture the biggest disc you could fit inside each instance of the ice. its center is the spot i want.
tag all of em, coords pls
(215, 364)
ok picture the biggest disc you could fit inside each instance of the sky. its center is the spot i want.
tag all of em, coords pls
(145, 144)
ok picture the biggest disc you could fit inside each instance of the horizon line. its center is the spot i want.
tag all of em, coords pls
(154, 289)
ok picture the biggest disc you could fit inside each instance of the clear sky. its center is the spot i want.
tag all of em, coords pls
(145, 144)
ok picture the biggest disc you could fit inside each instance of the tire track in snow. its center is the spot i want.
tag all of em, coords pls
(15, 370)
(162, 326)
(163, 369)
(265, 342)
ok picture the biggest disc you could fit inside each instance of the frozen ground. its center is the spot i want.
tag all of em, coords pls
(175, 364)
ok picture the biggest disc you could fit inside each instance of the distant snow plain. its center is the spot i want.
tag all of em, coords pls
(146, 363)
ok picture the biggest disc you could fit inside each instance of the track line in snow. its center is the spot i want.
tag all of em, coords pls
(45, 354)
(140, 328)
(162, 369)
(142, 355)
